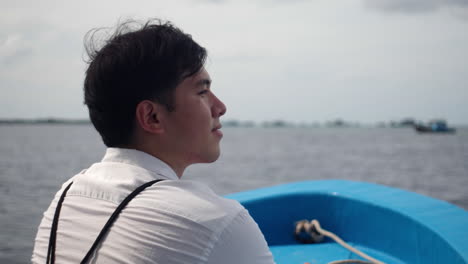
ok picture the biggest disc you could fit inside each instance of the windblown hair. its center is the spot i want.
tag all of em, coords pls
(137, 62)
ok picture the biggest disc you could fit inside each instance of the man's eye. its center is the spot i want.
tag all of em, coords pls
(202, 92)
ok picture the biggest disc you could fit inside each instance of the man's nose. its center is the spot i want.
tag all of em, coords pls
(219, 108)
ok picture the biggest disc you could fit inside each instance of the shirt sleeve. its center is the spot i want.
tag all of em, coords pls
(241, 242)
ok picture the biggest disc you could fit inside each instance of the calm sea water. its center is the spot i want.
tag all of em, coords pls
(36, 159)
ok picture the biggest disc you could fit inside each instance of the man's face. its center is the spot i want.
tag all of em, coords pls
(193, 129)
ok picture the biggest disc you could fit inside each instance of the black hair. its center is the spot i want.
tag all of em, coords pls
(138, 62)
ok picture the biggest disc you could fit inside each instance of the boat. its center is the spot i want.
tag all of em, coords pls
(434, 126)
(392, 225)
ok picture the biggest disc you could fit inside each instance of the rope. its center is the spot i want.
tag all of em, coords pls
(350, 261)
(316, 233)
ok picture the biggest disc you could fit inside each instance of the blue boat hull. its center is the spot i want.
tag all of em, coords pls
(392, 225)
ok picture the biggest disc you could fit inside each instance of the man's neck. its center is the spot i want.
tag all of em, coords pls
(165, 157)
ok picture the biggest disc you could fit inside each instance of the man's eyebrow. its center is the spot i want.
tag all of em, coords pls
(201, 82)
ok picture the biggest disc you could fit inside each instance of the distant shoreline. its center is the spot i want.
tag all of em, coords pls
(43, 121)
(230, 123)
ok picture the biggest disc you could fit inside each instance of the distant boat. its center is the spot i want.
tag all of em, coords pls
(391, 225)
(435, 126)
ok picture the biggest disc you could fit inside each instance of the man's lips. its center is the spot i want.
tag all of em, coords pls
(217, 130)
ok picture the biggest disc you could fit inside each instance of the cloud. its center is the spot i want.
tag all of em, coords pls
(305, 60)
(12, 50)
(414, 6)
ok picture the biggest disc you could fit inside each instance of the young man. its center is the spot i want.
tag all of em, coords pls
(149, 96)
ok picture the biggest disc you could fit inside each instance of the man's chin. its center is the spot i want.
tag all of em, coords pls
(205, 156)
(211, 157)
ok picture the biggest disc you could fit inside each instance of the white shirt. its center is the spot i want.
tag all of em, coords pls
(173, 221)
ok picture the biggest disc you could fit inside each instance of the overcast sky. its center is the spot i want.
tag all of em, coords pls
(303, 61)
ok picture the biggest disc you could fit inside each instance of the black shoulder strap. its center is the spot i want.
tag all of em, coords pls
(53, 229)
(105, 229)
(114, 216)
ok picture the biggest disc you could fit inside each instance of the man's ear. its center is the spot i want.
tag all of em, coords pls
(147, 116)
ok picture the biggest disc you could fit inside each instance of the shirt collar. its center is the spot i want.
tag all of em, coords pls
(140, 159)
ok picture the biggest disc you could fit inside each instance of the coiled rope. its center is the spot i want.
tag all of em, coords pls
(315, 233)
